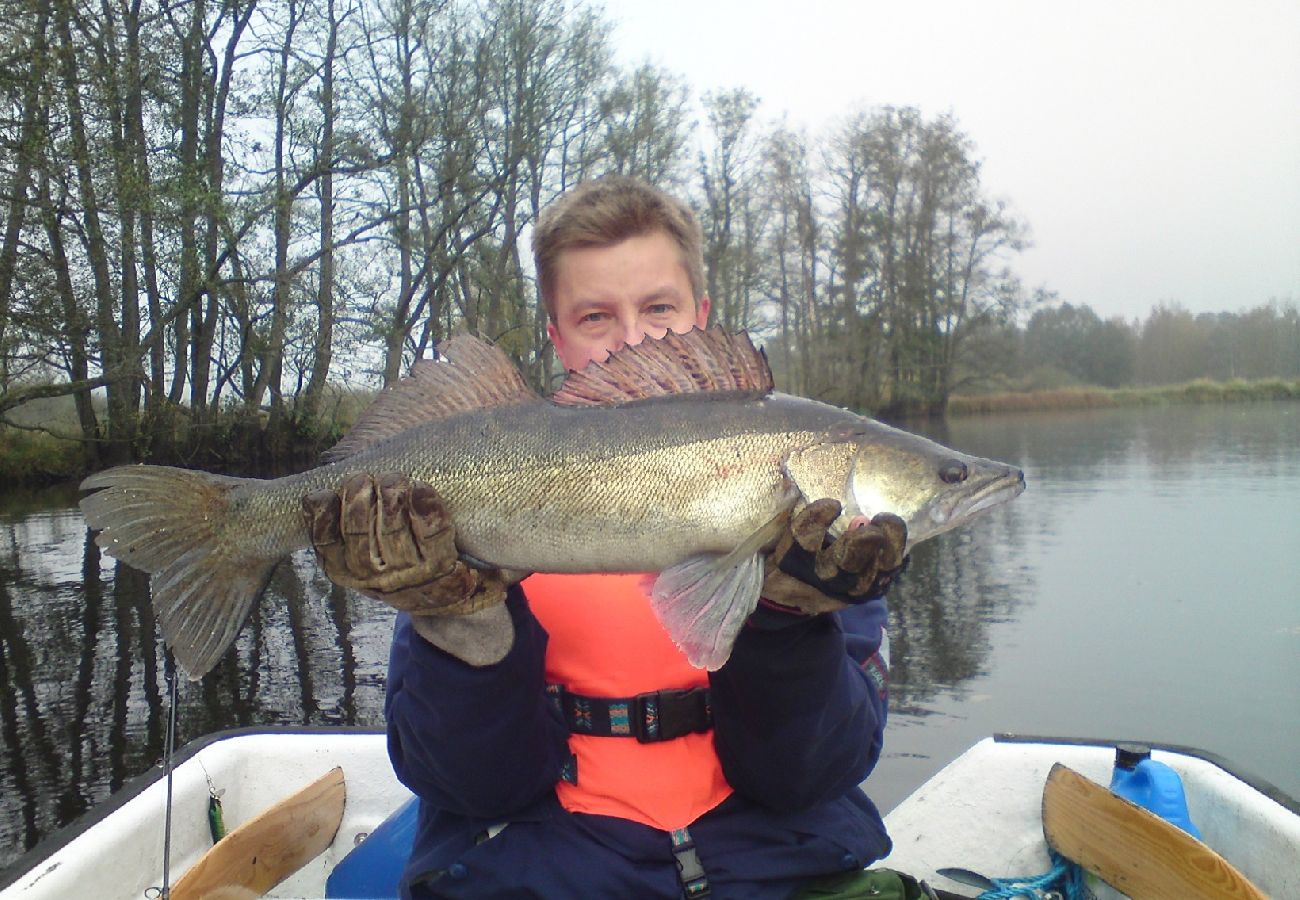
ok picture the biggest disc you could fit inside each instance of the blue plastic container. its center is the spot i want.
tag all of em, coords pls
(373, 868)
(1151, 785)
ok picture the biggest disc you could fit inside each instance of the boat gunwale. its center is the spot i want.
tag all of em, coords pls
(1249, 778)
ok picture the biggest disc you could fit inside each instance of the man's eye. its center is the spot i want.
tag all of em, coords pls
(594, 317)
(661, 309)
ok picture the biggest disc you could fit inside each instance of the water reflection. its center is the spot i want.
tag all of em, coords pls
(955, 587)
(83, 675)
(958, 584)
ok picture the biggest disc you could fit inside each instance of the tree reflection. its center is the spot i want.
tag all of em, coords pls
(83, 672)
(341, 613)
(959, 583)
(955, 587)
(19, 802)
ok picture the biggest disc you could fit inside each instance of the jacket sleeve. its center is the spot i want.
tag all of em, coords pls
(481, 742)
(799, 708)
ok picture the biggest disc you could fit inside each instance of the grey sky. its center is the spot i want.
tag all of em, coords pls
(1153, 147)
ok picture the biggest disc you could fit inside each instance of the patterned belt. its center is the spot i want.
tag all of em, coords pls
(650, 717)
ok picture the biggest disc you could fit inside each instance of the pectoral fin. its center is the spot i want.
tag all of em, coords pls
(703, 602)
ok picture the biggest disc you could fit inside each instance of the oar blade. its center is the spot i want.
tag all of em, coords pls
(270, 847)
(1133, 850)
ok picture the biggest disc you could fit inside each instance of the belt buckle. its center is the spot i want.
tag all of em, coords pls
(646, 711)
(665, 715)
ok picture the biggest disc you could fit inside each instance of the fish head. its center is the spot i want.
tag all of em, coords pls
(931, 487)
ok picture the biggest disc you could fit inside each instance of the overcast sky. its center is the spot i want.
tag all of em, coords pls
(1152, 147)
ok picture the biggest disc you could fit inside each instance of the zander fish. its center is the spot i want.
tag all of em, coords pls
(674, 457)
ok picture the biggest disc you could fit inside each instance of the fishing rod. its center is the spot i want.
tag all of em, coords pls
(169, 746)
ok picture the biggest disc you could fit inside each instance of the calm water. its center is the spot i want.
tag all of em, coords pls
(1146, 586)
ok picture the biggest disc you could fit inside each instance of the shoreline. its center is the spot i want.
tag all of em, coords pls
(1202, 390)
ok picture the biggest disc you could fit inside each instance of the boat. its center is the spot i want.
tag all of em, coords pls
(982, 813)
(118, 846)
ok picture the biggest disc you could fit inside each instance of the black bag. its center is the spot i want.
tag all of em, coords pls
(869, 884)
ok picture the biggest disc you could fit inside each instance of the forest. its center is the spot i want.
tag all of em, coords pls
(222, 219)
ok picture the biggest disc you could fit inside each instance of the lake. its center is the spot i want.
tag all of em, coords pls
(1146, 586)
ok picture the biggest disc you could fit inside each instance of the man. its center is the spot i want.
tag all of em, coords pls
(560, 744)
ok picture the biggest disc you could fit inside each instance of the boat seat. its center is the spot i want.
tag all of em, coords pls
(373, 868)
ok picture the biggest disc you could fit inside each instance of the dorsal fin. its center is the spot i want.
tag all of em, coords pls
(470, 374)
(688, 363)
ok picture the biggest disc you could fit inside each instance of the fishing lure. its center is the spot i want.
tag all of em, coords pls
(216, 820)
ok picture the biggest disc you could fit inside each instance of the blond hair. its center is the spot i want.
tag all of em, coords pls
(606, 211)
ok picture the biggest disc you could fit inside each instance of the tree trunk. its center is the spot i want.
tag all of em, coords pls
(216, 91)
(28, 151)
(271, 371)
(121, 420)
(322, 349)
(75, 326)
(189, 282)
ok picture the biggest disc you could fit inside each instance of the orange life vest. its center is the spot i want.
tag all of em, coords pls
(606, 642)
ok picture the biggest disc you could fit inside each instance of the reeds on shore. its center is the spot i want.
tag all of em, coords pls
(1202, 390)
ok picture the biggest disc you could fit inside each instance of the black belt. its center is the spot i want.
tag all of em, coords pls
(650, 717)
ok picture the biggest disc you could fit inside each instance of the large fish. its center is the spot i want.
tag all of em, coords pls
(673, 457)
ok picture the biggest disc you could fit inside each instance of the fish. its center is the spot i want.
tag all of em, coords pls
(674, 457)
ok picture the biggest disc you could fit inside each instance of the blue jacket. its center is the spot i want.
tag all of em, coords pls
(799, 713)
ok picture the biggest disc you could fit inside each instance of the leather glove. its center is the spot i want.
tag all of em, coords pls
(808, 572)
(393, 540)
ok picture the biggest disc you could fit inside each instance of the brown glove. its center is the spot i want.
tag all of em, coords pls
(811, 574)
(393, 540)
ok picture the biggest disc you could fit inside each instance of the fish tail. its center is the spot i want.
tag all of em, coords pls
(180, 526)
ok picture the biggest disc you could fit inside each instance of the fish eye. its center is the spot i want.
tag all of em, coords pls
(953, 472)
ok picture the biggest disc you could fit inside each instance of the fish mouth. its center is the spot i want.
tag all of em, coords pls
(1000, 489)
(950, 512)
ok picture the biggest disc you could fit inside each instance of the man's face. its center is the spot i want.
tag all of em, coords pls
(606, 297)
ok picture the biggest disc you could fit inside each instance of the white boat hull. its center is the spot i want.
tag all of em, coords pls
(120, 855)
(981, 812)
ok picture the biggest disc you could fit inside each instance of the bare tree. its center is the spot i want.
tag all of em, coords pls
(732, 217)
(322, 347)
(644, 126)
(544, 62)
(30, 48)
(917, 250)
(795, 252)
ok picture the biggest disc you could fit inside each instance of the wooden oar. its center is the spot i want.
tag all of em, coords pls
(1133, 850)
(265, 850)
